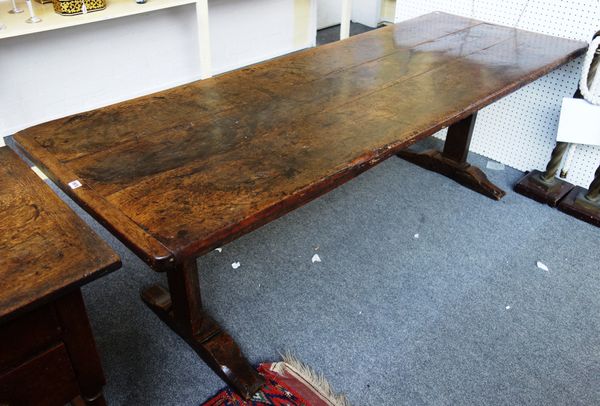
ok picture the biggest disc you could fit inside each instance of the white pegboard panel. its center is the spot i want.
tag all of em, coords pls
(520, 130)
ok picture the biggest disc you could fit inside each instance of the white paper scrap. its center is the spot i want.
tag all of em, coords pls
(235, 265)
(579, 122)
(507, 307)
(417, 235)
(39, 173)
(316, 258)
(542, 266)
(219, 249)
(495, 166)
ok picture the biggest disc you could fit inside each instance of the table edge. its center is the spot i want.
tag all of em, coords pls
(143, 244)
(15, 312)
(162, 258)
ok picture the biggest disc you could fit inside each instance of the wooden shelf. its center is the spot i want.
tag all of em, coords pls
(15, 24)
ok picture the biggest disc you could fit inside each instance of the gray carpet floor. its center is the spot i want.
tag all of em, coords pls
(332, 34)
(460, 315)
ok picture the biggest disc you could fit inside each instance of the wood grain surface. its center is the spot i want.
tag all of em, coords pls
(177, 173)
(46, 248)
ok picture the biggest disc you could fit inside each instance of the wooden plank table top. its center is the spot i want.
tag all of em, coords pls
(46, 248)
(180, 172)
(186, 170)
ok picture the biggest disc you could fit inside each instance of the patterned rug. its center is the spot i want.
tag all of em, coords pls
(288, 383)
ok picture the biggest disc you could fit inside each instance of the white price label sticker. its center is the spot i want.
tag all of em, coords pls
(75, 184)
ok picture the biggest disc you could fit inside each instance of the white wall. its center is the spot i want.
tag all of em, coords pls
(367, 12)
(56, 73)
(246, 32)
(329, 13)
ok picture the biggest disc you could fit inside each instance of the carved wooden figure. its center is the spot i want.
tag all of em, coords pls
(181, 172)
(545, 187)
(584, 204)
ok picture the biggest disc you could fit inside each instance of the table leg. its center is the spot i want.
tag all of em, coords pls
(80, 345)
(181, 309)
(452, 162)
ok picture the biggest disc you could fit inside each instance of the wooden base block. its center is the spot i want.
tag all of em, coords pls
(576, 205)
(211, 343)
(551, 193)
(463, 173)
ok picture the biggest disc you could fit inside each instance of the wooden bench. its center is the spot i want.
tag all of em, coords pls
(47, 351)
(178, 173)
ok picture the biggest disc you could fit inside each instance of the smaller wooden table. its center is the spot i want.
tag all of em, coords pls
(47, 351)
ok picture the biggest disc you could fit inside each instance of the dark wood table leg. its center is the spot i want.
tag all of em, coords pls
(81, 347)
(584, 204)
(181, 309)
(452, 161)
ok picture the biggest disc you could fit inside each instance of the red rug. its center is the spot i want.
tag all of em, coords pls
(288, 383)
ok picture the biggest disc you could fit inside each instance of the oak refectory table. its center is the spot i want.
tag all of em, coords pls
(178, 173)
(47, 351)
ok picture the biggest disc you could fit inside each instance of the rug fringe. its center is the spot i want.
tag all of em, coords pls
(314, 379)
